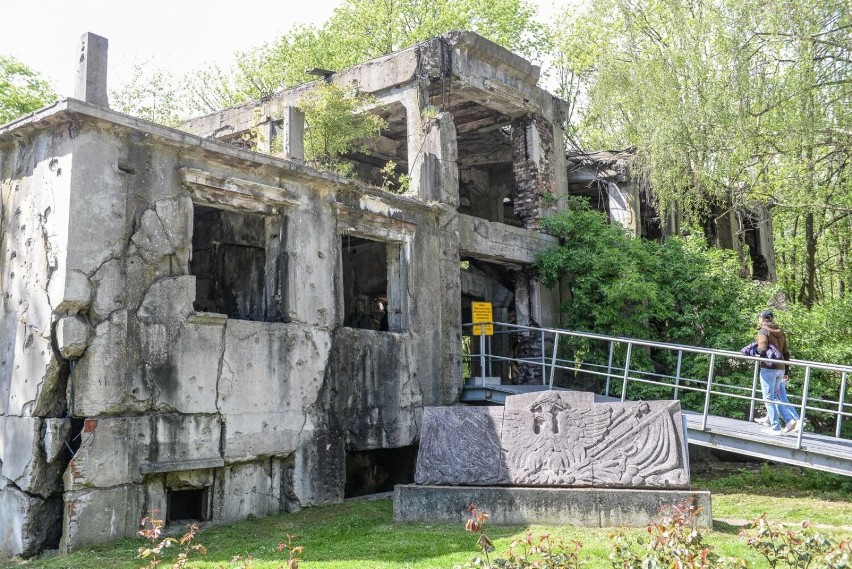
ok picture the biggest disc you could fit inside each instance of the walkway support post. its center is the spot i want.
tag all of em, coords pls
(840, 405)
(707, 396)
(626, 371)
(553, 359)
(677, 373)
(754, 390)
(804, 407)
(609, 366)
(482, 353)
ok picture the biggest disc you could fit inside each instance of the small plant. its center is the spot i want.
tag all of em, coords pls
(476, 524)
(542, 552)
(786, 548)
(152, 530)
(672, 541)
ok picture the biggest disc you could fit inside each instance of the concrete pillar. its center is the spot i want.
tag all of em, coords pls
(432, 152)
(765, 243)
(293, 131)
(534, 166)
(91, 85)
(624, 205)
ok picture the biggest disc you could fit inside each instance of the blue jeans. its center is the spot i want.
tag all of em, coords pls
(770, 380)
(785, 409)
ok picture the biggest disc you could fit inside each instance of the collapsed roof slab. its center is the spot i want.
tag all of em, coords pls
(478, 70)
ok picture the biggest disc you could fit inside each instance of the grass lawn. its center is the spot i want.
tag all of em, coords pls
(363, 534)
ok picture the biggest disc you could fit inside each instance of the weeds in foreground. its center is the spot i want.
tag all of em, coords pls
(802, 549)
(542, 552)
(671, 541)
(152, 530)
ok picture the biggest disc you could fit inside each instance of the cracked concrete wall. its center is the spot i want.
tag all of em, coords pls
(35, 289)
(160, 396)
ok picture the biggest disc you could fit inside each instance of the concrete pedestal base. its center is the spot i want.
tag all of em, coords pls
(586, 507)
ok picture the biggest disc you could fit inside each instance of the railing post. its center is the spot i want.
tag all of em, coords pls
(553, 359)
(677, 373)
(609, 367)
(840, 405)
(754, 381)
(707, 396)
(543, 358)
(804, 406)
(626, 371)
(482, 353)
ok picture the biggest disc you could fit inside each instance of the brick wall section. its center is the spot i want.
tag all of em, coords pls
(534, 167)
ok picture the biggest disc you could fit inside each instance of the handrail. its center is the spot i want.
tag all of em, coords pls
(680, 384)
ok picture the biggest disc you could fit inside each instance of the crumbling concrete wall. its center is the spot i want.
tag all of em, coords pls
(35, 177)
(152, 395)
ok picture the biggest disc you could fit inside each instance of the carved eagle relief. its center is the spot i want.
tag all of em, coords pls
(556, 438)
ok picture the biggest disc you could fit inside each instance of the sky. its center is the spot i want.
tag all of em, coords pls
(177, 35)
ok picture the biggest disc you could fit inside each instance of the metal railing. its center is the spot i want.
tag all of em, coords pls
(613, 359)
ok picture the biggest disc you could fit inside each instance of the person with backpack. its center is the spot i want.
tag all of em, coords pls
(771, 341)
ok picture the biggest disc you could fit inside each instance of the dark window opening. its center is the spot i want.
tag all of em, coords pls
(374, 471)
(371, 299)
(233, 272)
(187, 505)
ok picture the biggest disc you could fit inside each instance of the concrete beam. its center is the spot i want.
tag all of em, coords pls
(499, 242)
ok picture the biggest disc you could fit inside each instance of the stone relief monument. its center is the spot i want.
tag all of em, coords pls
(552, 457)
(555, 438)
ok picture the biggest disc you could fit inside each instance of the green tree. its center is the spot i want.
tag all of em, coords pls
(335, 122)
(151, 94)
(22, 90)
(729, 102)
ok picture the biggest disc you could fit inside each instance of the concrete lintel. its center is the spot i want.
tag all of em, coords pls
(181, 465)
(242, 195)
(584, 507)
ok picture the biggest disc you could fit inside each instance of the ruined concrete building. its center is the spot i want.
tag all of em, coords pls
(196, 328)
(610, 183)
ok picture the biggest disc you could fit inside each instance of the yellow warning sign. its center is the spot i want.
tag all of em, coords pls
(482, 313)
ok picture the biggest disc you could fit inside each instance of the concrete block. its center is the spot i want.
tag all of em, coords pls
(151, 239)
(188, 382)
(109, 290)
(248, 489)
(295, 355)
(23, 460)
(107, 378)
(98, 515)
(184, 439)
(55, 440)
(319, 471)
(72, 336)
(253, 434)
(74, 296)
(176, 217)
(585, 507)
(34, 384)
(111, 451)
(27, 523)
(169, 301)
